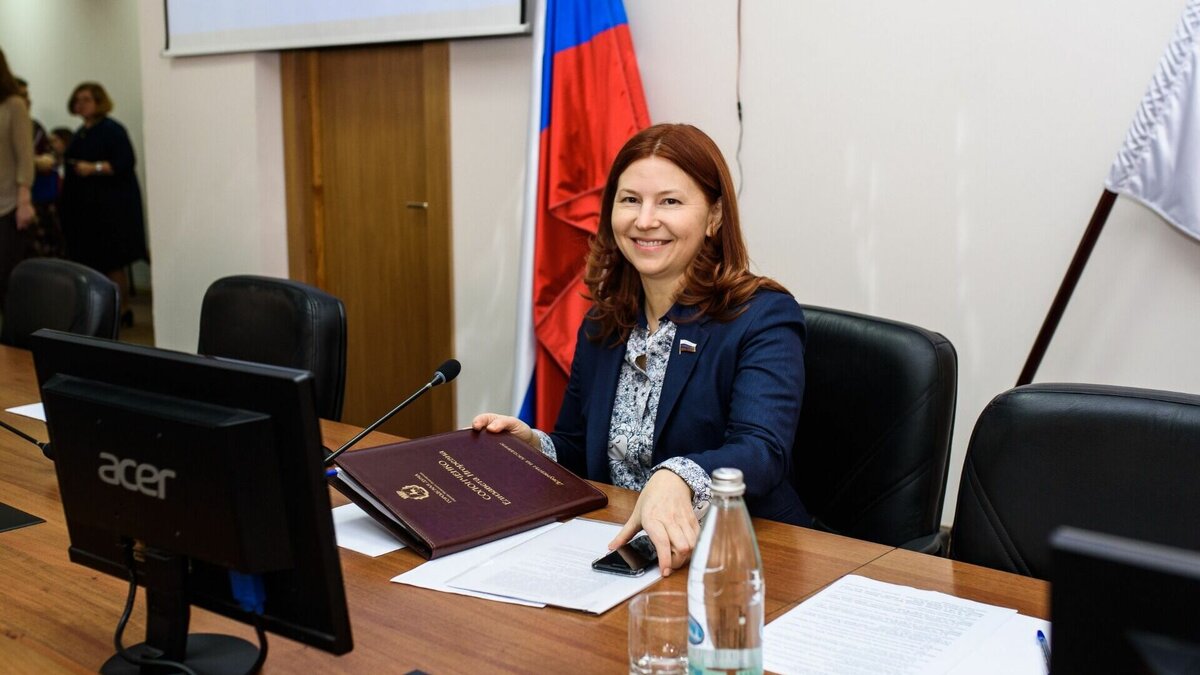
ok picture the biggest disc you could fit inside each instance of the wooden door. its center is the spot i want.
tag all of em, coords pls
(366, 142)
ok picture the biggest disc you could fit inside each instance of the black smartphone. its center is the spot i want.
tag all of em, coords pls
(631, 560)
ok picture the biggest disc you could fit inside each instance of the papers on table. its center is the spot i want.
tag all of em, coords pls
(555, 568)
(859, 625)
(357, 531)
(1011, 650)
(436, 573)
(549, 565)
(34, 410)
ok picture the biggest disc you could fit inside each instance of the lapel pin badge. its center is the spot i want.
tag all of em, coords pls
(687, 347)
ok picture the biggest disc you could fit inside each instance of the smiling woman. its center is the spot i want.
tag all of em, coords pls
(660, 220)
(716, 278)
(686, 362)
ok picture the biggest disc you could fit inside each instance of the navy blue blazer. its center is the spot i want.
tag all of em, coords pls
(733, 402)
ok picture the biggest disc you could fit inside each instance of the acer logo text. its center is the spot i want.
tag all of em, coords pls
(144, 478)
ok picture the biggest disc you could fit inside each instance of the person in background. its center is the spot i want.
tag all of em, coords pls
(44, 236)
(60, 139)
(686, 362)
(16, 174)
(101, 202)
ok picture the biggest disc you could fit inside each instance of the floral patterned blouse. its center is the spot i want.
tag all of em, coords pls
(631, 430)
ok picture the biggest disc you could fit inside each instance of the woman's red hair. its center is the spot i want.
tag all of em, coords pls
(718, 283)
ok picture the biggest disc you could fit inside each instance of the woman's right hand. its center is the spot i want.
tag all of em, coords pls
(497, 423)
(25, 215)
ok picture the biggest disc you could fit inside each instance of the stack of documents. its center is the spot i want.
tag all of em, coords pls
(550, 565)
(552, 568)
(858, 626)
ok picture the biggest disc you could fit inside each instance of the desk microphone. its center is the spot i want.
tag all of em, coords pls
(45, 447)
(445, 372)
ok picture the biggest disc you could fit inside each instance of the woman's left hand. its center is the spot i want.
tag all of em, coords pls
(664, 511)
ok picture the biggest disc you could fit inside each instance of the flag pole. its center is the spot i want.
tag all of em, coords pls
(525, 347)
(1070, 280)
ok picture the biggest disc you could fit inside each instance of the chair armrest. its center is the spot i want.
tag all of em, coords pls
(933, 544)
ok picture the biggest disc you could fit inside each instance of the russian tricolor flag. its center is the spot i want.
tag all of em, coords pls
(589, 103)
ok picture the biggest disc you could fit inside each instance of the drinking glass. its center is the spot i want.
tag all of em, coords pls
(658, 633)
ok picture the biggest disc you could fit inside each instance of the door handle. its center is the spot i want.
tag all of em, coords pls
(417, 205)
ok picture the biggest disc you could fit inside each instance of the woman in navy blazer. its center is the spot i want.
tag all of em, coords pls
(687, 361)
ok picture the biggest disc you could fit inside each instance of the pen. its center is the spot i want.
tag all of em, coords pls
(1041, 637)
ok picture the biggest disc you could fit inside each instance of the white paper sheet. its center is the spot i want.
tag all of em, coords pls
(1012, 650)
(34, 410)
(357, 531)
(555, 568)
(862, 626)
(436, 573)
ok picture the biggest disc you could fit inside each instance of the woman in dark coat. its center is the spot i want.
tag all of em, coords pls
(101, 203)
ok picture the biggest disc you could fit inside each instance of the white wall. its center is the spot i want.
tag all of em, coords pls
(489, 116)
(927, 161)
(937, 163)
(56, 44)
(215, 188)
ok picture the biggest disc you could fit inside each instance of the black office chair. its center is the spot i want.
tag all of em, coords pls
(279, 322)
(58, 294)
(873, 445)
(1116, 460)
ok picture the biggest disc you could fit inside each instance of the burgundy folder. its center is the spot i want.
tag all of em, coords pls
(445, 493)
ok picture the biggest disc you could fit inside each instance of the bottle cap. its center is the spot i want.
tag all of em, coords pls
(728, 482)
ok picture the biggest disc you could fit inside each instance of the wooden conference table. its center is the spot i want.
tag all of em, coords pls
(56, 616)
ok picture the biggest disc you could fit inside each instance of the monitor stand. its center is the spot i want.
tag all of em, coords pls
(167, 616)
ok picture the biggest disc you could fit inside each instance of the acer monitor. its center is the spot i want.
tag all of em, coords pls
(202, 480)
(1123, 606)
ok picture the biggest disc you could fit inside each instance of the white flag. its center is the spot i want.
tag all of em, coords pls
(1159, 164)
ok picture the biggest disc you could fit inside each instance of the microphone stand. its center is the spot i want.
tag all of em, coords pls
(44, 447)
(374, 425)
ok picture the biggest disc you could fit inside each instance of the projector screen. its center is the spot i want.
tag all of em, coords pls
(218, 26)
